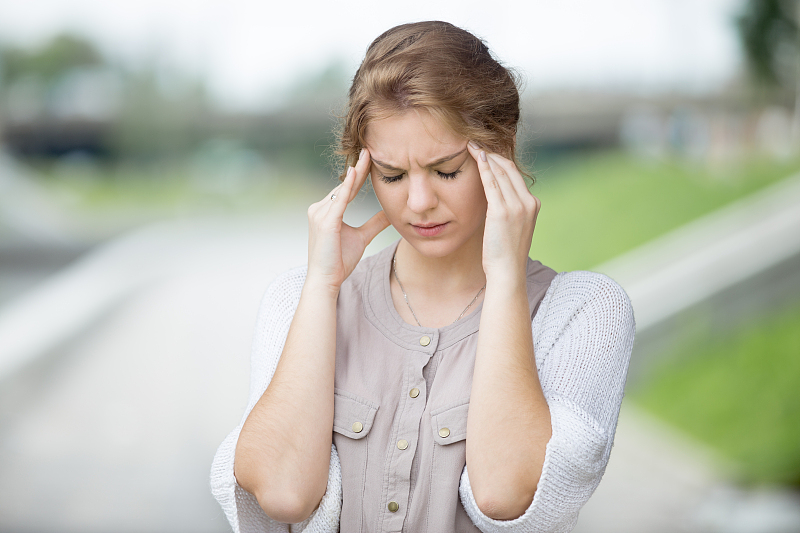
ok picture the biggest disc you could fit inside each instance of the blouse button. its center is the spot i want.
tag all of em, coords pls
(402, 444)
(358, 426)
(413, 392)
(444, 433)
(425, 340)
(393, 507)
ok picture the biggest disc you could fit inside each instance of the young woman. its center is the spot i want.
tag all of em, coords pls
(448, 383)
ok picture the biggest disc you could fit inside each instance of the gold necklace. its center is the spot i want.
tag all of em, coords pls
(405, 296)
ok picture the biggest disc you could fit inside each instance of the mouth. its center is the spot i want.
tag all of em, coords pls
(430, 229)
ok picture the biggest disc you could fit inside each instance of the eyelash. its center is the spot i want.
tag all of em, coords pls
(443, 175)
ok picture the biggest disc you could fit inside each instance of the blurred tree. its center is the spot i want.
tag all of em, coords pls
(49, 62)
(770, 34)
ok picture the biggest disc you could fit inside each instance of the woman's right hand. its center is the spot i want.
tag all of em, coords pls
(335, 248)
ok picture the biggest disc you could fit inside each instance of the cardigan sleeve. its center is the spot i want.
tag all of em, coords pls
(583, 337)
(243, 511)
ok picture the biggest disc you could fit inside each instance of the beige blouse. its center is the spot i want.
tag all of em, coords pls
(405, 449)
(401, 404)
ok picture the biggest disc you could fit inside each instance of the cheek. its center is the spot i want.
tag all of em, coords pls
(386, 198)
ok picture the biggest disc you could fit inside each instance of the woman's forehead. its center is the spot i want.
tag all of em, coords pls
(412, 135)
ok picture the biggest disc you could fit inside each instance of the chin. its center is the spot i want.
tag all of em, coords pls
(432, 247)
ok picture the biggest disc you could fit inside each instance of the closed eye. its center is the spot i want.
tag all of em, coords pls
(449, 175)
(390, 179)
(444, 175)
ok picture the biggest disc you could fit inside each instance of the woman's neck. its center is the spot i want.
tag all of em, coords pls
(456, 273)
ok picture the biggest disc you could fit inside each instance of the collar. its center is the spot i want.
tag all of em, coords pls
(380, 311)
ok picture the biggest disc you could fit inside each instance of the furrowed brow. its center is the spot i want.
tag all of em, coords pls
(386, 166)
(447, 158)
(435, 163)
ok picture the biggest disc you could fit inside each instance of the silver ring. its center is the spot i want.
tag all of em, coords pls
(333, 197)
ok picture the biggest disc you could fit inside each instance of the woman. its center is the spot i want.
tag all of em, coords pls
(449, 382)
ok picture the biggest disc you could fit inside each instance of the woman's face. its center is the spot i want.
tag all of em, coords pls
(424, 176)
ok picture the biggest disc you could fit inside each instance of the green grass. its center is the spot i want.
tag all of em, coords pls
(597, 206)
(163, 190)
(740, 394)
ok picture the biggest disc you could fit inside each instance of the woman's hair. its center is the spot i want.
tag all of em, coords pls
(441, 68)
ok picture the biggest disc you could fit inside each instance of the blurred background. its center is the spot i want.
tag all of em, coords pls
(157, 159)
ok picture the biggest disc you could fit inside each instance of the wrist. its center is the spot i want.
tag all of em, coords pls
(321, 287)
(506, 279)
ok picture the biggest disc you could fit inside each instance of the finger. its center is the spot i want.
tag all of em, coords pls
(510, 195)
(339, 203)
(515, 176)
(362, 170)
(490, 185)
(325, 202)
(373, 226)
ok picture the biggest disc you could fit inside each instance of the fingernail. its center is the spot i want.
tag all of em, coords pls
(473, 145)
(483, 156)
(361, 155)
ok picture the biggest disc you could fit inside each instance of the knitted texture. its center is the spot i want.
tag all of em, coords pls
(583, 336)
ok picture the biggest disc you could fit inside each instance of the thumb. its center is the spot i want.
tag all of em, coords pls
(373, 226)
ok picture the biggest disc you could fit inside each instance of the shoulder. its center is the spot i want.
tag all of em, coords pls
(539, 274)
(288, 284)
(589, 300)
(365, 270)
(360, 274)
(581, 288)
(282, 295)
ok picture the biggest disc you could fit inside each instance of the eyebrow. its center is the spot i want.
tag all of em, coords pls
(435, 163)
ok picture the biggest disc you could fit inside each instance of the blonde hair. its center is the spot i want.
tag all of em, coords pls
(443, 69)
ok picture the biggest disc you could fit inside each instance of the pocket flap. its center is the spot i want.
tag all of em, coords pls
(352, 415)
(450, 423)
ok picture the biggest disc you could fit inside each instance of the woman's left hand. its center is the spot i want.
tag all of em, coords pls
(510, 216)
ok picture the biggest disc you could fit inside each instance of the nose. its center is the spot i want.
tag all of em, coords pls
(421, 195)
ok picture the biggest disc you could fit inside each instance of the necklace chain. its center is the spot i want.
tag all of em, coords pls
(405, 296)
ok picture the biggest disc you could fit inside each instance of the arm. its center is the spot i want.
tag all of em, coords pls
(283, 451)
(509, 421)
(583, 339)
(508, 425)
(516, 426)
(241, 507)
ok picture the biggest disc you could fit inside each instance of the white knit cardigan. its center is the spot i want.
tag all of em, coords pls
(583, 337)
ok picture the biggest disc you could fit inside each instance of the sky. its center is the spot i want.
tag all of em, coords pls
(251, 52)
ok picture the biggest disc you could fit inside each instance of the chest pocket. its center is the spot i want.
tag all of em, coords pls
(353, 416)
(449, 423)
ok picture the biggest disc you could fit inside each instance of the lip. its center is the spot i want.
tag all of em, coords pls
(429, 230)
